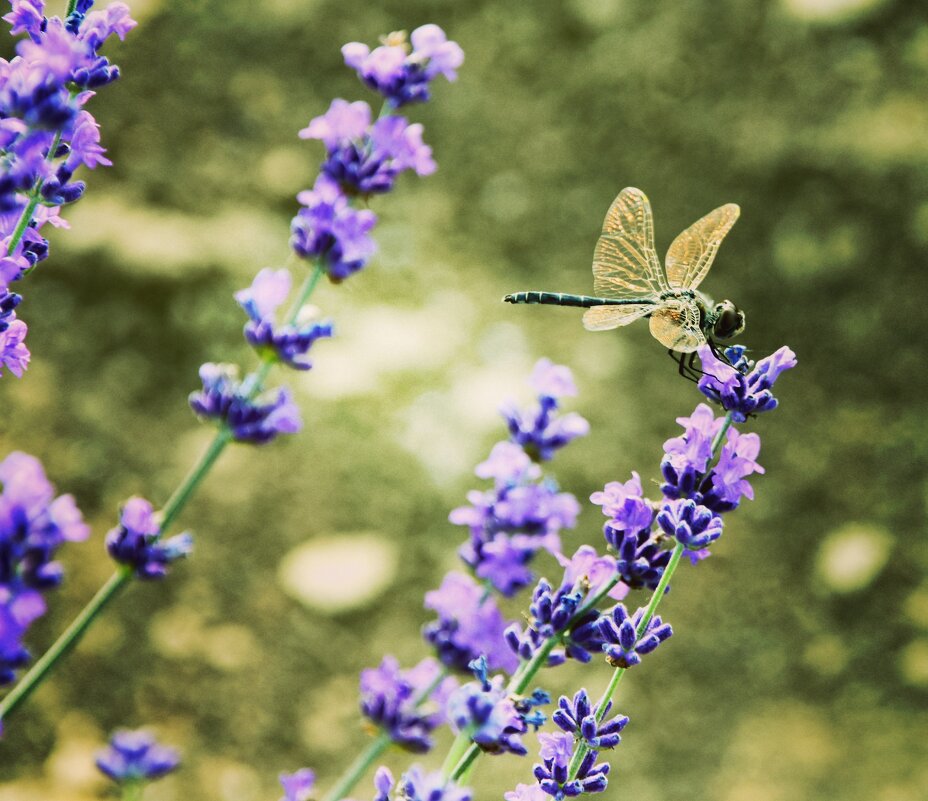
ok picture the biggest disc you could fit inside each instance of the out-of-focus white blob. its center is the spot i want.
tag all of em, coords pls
(851, 557)
(830, 10)
(339, 572)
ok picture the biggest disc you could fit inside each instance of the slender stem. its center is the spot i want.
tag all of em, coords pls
(607, 694)
(188, 486)
(132, 791)
(72, 4)
(65, 642)
(25, 218)
(467, 761)
(23, 223)
(461, 746)
(175, 504)
(358, 768)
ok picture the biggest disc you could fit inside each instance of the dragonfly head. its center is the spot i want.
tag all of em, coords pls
(728, 320)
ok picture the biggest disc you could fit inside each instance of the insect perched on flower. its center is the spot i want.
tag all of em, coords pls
(630, 283)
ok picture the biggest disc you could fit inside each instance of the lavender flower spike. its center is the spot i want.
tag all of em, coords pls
(135, 541)
(579, 717)
(226, 400)
(539, 431)
(135, 756)
(556, 751)
(402, 76)
(298, 786)
(743, 389)
(392, 699)
(492, 719)
(693, 526)
(469, 624)
(287, 344)
(623, 647)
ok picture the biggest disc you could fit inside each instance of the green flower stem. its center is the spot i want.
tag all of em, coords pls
(168, 514)
(23, 223)
(132, 791)
(26, 217)
(466, 764)
(64, 643)
(358, 768)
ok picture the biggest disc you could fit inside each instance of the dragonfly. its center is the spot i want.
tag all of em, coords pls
(630, 284)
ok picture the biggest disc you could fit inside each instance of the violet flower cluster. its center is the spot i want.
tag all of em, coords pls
(136, 541)
(136, 757)
(524, 512)
(493, 719)
(46, 135)
(34, 524)
(364, 156)
(406, 704)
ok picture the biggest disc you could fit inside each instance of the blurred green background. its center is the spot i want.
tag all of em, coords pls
(799, 669)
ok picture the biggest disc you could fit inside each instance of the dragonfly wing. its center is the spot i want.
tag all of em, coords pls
(603, 318)
(625, 264)
(692, 252)
(676, 325)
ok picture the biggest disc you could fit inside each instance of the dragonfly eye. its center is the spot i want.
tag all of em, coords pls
(729, 320)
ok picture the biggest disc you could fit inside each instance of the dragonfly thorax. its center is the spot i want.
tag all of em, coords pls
(725, 320)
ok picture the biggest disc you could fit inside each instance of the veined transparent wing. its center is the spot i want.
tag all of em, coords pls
(604, 318)
(692, 252)
(625, 264)
(676, 325)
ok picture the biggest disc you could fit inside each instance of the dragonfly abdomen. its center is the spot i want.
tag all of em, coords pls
(564, 299)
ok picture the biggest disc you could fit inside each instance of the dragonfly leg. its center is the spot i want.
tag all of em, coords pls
(685, 365)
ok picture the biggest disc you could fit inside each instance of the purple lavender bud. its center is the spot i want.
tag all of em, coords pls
(539, 431)
(17, 612)
(33, 525)
(692, 525)
(298, 786)
(135, 541)
(327, 228)
(14, 355)
(287, 344)
(511, 523)
(640, 557)
(745, 388)
(623, 647)
(366, 159)
(556, 752)
(728, 478)
(402, 76)
(392, 700)
(26, 17)
(494, 720)
(469, 624)
(135, 756)
(226, 400)
(624, 504)
(579, 717)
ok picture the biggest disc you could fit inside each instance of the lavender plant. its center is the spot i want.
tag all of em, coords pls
(480, 679)
(705, 470)
(48, 135)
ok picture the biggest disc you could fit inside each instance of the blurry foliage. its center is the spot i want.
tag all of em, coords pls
(784, 681)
